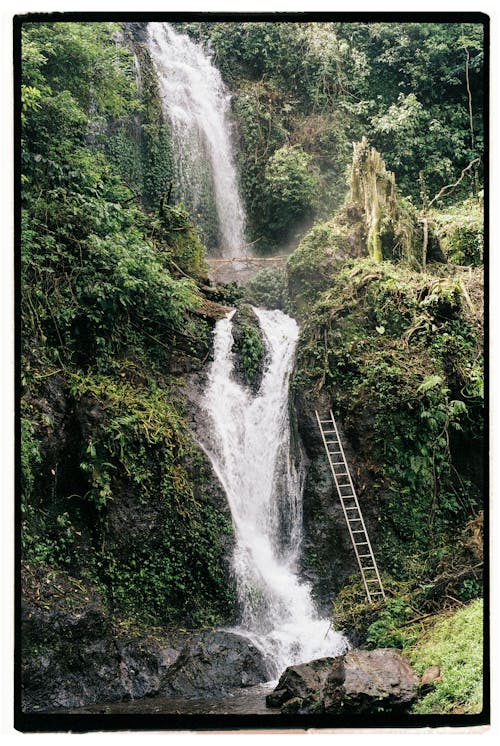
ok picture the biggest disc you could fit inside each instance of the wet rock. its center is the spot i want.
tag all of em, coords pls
(214, 662)
(430, 677)
(277, 697)
(370, 681)
(360, 681)
(305, 681)
(74, 656)
(328, 558)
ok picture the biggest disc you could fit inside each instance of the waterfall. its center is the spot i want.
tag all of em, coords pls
(249, 444)
(196, 102)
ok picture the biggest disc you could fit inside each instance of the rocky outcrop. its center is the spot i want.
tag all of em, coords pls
(327, 555)
(248, 347)
(360, 681)
(74, 654)
(212, 662)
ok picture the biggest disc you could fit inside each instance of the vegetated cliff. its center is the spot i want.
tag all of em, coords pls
(397, 354)
(119, 505)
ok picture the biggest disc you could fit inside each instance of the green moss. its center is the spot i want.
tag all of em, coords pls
(455, 644)
(460, 231)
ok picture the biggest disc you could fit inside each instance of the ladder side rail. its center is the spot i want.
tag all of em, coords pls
(370, 549)
(344, 509)
(348, 471)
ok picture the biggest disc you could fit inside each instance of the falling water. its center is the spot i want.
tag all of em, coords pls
(197, 104)
(250, 449)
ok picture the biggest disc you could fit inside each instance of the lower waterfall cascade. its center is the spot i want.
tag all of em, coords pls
(248, 440)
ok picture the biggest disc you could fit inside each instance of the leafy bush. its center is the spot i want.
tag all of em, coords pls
(248, 344)
(291, 183)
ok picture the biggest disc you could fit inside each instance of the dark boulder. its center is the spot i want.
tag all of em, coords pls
(213, 662)
(360, 681)
(370, 681)
(305, 681)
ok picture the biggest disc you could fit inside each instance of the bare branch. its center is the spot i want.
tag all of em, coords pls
(450, 187)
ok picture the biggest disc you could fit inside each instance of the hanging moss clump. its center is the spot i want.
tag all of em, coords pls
(391, 228)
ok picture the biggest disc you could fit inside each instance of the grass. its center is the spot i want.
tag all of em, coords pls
(455, 644)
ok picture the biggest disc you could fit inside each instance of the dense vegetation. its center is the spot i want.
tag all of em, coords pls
(385, 278)
(304, 91)
(107, 315)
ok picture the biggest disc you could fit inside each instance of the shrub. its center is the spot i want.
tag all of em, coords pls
(291, 184)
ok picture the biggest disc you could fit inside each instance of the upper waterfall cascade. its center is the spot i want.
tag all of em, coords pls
(249, 443)
(197, 104)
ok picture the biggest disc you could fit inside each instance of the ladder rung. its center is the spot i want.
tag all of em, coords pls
(362, 556)
(352, 507)
(372, 580)
(351, 520)
(370, 567)
(324, 422)
(359, 543)
(342, 473)
(334, 453)
(329, 432)
(361, 531)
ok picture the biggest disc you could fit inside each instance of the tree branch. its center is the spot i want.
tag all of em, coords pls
(450, 187)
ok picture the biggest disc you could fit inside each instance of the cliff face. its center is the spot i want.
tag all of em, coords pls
(328, 558)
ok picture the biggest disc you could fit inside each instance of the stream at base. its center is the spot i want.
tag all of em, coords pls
(249, 701)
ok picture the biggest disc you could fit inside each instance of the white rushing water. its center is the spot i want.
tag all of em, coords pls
(250, 448)
(197, 104)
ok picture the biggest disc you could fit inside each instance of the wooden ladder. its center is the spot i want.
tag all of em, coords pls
(350, 505)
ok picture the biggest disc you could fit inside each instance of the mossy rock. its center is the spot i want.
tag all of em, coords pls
(248, 347)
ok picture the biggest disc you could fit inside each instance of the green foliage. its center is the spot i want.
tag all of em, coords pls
(268, 289)
(76, 77)
(248, 345)
(30, 456)
(415, 97)
(378, 342)
(460, 231)
(311, 267)
(387, 631)
(291, 183)
(455, 644)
